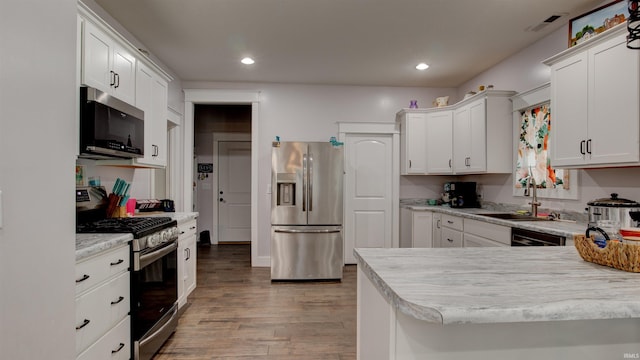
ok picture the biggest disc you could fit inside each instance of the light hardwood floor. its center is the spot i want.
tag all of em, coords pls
(236, 312)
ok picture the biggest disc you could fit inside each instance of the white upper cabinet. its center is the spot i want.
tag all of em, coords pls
(440, 142)
(595, 103)
(473, 136)
(413, 145)
(151, 97)
(106, 65)
(469, 138)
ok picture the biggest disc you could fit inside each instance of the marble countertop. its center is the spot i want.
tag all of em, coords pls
(500, 285)
(560, 228)
(91, 244)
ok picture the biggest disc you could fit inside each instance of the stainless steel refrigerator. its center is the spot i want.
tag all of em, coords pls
(306, 211)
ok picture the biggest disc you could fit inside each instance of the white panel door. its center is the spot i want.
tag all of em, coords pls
(234, 191)
(368, 192)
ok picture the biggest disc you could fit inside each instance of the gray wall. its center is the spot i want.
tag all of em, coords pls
(37, 140)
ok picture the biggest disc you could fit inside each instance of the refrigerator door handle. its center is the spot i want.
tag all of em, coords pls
(316, 231)
(310, 179)
(304, 182)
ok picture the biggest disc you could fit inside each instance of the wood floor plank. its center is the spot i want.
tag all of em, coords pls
(237, 313)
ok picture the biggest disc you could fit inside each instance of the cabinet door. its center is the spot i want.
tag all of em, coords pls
(471, 240)
(124, 68)
(613, 103)
(477, 147)
(439, 142)
(569, 111)
(437, 230)
(96, 58)
(190, 265)
(469, 138)
(151, 97)
(159, 112)
(422, 229)
(461, 138)
(413, 144)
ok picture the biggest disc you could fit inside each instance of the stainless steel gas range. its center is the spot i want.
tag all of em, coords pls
(154, 273)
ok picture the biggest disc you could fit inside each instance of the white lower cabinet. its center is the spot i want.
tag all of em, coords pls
(482, 234)
(416, 229)
(103, 304)
(454, 231)
(114, 345)
(437, 230)
(187, 249)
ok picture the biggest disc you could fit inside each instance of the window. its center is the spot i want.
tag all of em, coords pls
(533, 158)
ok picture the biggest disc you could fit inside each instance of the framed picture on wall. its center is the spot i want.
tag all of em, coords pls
(595, 22)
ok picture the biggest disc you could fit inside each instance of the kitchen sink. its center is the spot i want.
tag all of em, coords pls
(514, 217)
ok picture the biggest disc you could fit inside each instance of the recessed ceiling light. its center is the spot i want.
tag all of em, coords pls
(247, 61)
(422, 66)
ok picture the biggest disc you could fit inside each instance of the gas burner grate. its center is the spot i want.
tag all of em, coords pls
(139, 226)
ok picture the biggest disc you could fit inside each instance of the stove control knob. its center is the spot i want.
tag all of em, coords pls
(166, 235)
(153, 240)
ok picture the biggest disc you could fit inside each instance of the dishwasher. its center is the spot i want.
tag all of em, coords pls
(522, 237)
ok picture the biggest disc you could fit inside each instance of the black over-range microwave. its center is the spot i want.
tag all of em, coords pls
(109, 127)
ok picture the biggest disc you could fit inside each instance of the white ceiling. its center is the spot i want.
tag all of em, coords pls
(346, 42)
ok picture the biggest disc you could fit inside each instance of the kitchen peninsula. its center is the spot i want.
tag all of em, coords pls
(494, 303)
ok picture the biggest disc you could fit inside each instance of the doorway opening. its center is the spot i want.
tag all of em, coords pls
(222, 171)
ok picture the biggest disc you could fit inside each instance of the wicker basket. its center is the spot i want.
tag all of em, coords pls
(622, 256)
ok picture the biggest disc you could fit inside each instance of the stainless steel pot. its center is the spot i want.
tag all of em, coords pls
(614, 212)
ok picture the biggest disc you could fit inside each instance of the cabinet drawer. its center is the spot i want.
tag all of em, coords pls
(451, 238)
(188, 228)
(100, 309)
(452, 222)
(471, 240)
(499, 233)
(114, 345)
(97, 269)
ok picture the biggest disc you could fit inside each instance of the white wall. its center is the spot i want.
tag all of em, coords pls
(524, 71)
(37, 138)
(311, 113)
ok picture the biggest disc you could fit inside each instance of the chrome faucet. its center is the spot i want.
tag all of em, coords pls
(531, 183)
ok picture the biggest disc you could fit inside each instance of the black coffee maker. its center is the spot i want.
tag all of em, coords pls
(462, 194)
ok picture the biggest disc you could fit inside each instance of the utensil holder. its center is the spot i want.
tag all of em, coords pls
(619, 255)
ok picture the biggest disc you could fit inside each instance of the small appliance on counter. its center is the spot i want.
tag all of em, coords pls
(608, 215)
(461, 194)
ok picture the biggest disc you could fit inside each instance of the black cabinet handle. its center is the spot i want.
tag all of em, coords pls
(84, 323)
(449, 163)
(85, 277)
(113, 78)
(589, 146)
(449, 240)
(120, 298)
(120, 261)
(117, 81)
(409, 164)
(118, 349)
(582, 143)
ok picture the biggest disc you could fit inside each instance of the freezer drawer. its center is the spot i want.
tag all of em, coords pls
(306, 252)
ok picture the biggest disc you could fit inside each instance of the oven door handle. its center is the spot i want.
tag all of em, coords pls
(141, 261)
